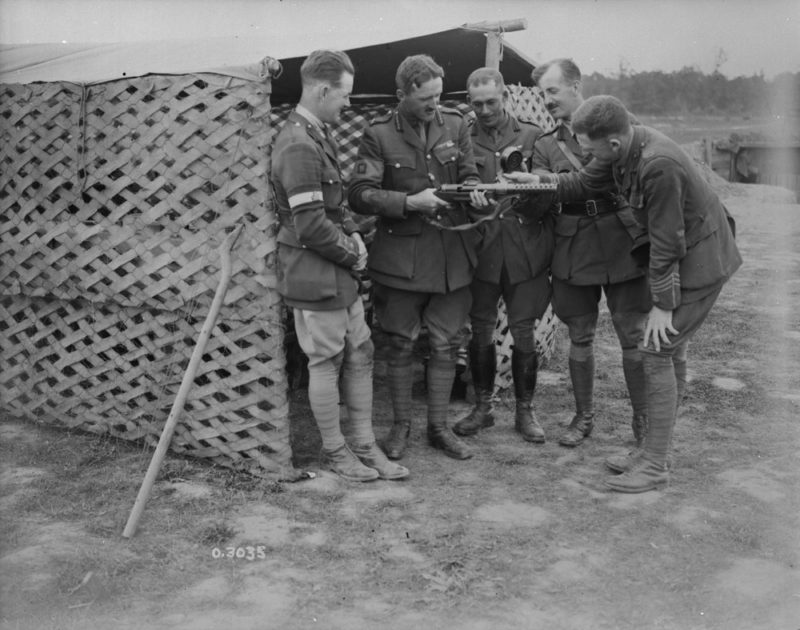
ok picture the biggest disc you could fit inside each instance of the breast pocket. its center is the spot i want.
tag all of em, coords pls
(446, 155)
(400, 173)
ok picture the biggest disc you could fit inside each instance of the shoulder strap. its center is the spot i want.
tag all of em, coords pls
(569, 154)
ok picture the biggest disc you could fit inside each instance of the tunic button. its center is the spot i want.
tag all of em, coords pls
(428, 157)
(397, 165)
(497, 153)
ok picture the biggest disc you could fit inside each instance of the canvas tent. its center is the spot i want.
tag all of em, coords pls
(123, 168)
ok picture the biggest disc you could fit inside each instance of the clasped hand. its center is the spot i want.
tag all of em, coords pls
(361, 263)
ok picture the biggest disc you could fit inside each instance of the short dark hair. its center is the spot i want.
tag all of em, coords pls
(601, 116)
(569, 70)
(325, 65)
(415, 70)
(485, 75)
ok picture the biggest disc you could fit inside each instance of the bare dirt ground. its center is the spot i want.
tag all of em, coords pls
(521, 536)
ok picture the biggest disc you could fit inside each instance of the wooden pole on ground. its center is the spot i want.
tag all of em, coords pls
(188, 378)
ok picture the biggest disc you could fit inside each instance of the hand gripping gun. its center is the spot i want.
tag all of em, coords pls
(507, 196)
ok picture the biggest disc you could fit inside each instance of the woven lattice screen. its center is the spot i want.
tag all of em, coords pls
(113, 200)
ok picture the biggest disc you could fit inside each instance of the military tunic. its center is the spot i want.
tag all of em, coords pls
(315, 249)
(590, 249)
(519, 241)
(692, 247)
(407, 252)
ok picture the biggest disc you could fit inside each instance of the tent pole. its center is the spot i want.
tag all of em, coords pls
(494, 37)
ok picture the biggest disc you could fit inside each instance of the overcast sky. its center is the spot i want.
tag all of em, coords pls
(747, 36)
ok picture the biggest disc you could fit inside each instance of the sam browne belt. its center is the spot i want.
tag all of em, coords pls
(590, 207)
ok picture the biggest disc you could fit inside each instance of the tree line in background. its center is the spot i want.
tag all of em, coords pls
(690, 91)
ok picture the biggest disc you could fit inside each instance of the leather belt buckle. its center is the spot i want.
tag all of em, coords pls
(591, 208)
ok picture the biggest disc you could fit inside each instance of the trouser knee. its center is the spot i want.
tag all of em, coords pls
(629, 327)
(482, 334)
(360, 356)
(582, 328)
(523, 337)
(400, 349)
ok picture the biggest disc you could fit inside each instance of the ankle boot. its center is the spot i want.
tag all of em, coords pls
(624, 463)
(347, 466)
(482, 364)
(440, 381)
(582, 376)
(581, 427)
(524, 366)
(650, 470)
(396, 441)
(400, 373)
(373, 457)
(642, 476)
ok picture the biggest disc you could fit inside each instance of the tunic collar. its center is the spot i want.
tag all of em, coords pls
(311, 118)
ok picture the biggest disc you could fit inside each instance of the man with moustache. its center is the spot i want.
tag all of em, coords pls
(593, 240)
(319, 252)
(421, 272)
(513, 263)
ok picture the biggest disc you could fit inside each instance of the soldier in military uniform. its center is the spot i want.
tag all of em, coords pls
(513, 263)
(592, 257)
(692, 253)
(421, 272)
(319, 252)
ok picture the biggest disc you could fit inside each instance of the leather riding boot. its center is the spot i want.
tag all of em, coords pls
(524, 366)
(441, 371)
(400, 374)
(650, 470)
(633, 370)
(347, 466)
(373, 457)
(482, 364)
(582, 376)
